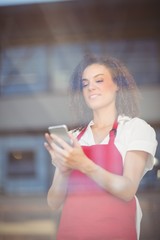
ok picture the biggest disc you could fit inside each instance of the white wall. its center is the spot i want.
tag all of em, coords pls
(39, 111)
(150, 103)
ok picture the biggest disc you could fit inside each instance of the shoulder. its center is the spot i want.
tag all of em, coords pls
(138, 135)
(122, 119)
(135, 125)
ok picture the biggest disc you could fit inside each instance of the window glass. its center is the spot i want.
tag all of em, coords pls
(23, 70)
(21, 164)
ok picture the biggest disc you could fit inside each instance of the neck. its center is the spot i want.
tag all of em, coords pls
(104, 118)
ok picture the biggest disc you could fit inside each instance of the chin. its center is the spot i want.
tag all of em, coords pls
(94, 106)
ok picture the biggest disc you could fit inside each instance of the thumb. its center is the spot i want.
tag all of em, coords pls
(74, 140)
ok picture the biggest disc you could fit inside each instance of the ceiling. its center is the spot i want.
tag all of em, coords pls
(20, 2)
(79, 21)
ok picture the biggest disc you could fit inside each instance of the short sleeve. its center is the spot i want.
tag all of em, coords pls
(141, 136)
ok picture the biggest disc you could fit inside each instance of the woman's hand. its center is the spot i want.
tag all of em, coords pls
(65, 156)
(50, 146)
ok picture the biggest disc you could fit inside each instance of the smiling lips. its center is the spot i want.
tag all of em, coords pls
(93, 96)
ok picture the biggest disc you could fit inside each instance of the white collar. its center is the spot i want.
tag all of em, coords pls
(121, 119)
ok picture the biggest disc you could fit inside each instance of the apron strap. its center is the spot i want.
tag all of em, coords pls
(81, 133)
(112, 133)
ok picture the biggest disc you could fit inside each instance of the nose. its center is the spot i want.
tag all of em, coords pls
(91, 85)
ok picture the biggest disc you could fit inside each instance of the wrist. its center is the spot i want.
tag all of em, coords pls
(89, 167)
(65, 172)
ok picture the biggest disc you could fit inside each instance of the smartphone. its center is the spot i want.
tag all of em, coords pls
(61, 131)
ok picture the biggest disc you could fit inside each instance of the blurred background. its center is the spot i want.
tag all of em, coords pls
(41, 42)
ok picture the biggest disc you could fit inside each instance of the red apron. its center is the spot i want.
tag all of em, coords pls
(90, 212)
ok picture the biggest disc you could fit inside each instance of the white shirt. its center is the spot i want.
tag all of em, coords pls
(132, 134)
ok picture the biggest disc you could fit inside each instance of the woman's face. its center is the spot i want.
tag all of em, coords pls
(99, 90)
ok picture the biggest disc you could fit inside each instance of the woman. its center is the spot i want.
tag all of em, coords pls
(96, 178)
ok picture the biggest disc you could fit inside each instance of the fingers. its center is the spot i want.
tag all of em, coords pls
(48, 138)
(55, 157)
(60, 143)
(49, 148)
(57, 147)
(62, 154)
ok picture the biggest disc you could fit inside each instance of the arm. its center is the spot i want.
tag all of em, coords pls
(57, 192)
(125, 186)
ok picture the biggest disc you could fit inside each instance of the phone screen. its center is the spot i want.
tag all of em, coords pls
(61, 131)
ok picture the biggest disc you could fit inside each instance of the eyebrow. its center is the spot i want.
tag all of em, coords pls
(97, 75)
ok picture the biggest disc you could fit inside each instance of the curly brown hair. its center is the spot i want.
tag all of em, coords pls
(127, 94)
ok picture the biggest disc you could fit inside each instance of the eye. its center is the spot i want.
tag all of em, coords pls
(99, 80)
(84, 83)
